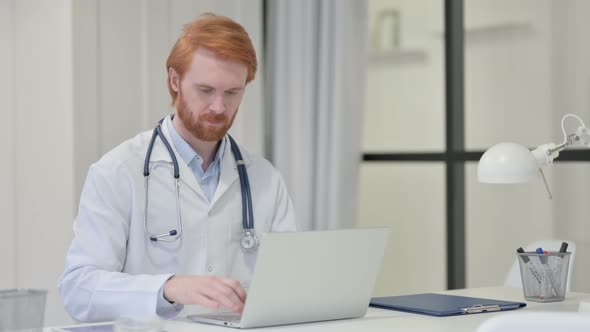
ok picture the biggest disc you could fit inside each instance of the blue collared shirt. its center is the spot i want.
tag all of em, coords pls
(208, 179)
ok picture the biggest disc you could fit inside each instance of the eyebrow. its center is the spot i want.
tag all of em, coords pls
(206, 86)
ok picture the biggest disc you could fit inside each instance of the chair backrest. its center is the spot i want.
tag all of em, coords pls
(513, 277)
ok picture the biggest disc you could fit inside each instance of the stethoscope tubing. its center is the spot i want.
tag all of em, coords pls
(247, 215)
(172, 235)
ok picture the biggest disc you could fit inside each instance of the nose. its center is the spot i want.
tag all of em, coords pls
(218, 104)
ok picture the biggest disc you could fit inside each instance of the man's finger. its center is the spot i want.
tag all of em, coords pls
(205, 301)
(226, 296)
(237, 287)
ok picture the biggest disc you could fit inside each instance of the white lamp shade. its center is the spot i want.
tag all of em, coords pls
(507, 163)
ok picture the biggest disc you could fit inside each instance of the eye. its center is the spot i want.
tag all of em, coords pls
(230, 92)
(206, 90)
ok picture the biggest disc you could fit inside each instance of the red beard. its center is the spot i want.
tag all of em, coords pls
(201, 127)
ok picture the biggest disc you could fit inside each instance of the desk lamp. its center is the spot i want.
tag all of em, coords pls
(514, 163)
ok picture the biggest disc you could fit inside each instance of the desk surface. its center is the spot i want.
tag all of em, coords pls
(388, 320)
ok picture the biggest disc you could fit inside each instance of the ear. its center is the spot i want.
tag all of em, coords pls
(174, 79)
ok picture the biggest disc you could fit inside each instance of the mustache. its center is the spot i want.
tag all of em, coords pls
(216, 118)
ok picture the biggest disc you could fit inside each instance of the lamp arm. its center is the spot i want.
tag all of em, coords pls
(582, 126)
(581, 137)
(544, 154)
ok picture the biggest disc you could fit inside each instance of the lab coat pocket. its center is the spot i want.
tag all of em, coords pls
(164, 254)
(162, 218)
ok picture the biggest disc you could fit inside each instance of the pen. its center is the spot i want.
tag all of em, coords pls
(540, 251)
(528, 263)
(548, 273)
(534, 271)
(563, 247)
(557, 267)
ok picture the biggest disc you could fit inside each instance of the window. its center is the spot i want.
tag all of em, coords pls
(447, 80)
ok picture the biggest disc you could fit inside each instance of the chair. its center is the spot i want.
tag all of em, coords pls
(537, 322)
(513, 278)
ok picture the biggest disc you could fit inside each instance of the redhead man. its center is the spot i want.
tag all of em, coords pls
(149, 239)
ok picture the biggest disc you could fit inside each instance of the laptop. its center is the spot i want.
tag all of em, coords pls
(312, 276)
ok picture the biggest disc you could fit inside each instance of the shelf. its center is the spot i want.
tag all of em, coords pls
(494, 29)
(498, 27)
(398, 56)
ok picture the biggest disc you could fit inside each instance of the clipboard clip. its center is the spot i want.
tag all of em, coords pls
(481, 308)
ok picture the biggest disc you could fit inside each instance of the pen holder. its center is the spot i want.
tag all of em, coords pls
(21, 309)
(544, 276)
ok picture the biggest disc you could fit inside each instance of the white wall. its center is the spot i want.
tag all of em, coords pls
(37, 183)
(76, 79)
(7, 146)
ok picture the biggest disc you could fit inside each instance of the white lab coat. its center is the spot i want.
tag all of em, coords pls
(112, 268)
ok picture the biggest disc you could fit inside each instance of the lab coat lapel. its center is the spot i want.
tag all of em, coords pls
(160, 153)
(229, 172)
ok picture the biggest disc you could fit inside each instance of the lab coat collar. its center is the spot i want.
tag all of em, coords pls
(159, 151)
(229, 171)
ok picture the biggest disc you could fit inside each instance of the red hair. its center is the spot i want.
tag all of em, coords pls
(219, 34)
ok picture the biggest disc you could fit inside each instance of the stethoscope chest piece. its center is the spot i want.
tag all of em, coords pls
(249, 241)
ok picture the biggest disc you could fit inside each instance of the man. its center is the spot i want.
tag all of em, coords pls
(132, 253)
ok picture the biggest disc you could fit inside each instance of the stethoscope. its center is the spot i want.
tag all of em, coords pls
(249, 241)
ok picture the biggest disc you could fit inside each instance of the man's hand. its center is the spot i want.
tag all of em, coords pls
(209, 291)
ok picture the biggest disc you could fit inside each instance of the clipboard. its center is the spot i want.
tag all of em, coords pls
(442, 305)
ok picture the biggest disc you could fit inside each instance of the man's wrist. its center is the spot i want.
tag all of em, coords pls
(164, 287)
(165, 308)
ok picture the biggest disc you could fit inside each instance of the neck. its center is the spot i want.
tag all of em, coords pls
(205, 149)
